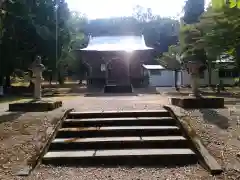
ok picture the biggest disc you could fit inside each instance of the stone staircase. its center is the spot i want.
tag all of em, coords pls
(120, 138)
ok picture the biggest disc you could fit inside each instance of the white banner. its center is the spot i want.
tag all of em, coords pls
(103, 67)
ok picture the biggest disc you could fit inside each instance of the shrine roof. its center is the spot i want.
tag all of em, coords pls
(116, 43)
(153, 67)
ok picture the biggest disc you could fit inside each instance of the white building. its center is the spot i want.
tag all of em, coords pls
(158, 76)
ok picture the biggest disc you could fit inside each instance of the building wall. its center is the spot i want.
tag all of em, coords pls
(94, 62)
(135, 59)
(167, 78)
(204, 80)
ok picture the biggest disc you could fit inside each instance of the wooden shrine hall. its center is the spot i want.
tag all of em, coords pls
(115, 62)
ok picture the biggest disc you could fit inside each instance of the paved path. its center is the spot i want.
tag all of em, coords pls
(80, 103)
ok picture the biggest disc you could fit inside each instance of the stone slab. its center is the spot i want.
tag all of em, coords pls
(71, 154)
(125, 152)
(143, 152)
(162, 138)
(114, 114)
(118, 131)
(25, 171)
(35, 106)
(100, 139)
(118, 119)
(97, 122)
(118, 89)
(210, 161)
(118, 143)
(120, 128)
(139, 127)
(193, 103)
(120, 139)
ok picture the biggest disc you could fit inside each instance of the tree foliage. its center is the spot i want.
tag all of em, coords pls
(47, 28)
(171, 59)
(159, 32)
(221, 32)
(190, 34)
(30, 28)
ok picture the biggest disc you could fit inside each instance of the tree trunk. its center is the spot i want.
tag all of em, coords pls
(195, 85)
(176, 80)
(50, 78)
(60, 78)
(1, 80)
(1, 86)
(209, 75)
(8, 81)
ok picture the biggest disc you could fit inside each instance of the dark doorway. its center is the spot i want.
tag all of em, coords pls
(117, 72)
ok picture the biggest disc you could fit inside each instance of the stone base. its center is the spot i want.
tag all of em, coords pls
(195, 103)
(35, 106)
(118, 89)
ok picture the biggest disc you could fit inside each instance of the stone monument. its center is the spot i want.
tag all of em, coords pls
(193, 68)
(37, 104)
(37, 68)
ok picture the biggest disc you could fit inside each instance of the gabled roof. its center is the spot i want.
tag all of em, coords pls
(116, 43)
(153, 67)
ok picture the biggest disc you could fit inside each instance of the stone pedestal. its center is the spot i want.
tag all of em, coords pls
(196, 103)
(35, 106)
(121, 88)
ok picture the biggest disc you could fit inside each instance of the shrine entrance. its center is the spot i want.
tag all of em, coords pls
(117, 72)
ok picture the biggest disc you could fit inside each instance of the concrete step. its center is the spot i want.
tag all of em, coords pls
(65, 144)
(118, 114)
(118, 88)
(140, 121)
(118, 131)
(122, 157)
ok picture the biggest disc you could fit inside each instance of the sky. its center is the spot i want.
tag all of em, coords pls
(95, 9)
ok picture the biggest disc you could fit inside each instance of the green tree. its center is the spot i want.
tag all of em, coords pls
(158, 32)
(32, 28)
(189, 36)
(221, 32)
(78, 40)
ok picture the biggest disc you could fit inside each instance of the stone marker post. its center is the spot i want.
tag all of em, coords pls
(37, 69)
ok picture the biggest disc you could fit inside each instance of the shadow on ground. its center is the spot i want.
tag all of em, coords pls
(213, 117)
(10, 117)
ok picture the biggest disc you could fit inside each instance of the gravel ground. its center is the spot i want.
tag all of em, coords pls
(120, 173)
(220, 132)
(22, 136)
(215, 135)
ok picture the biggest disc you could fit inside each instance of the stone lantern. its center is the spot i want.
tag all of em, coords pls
(37, 68)
(38, 105)
(194, 68)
